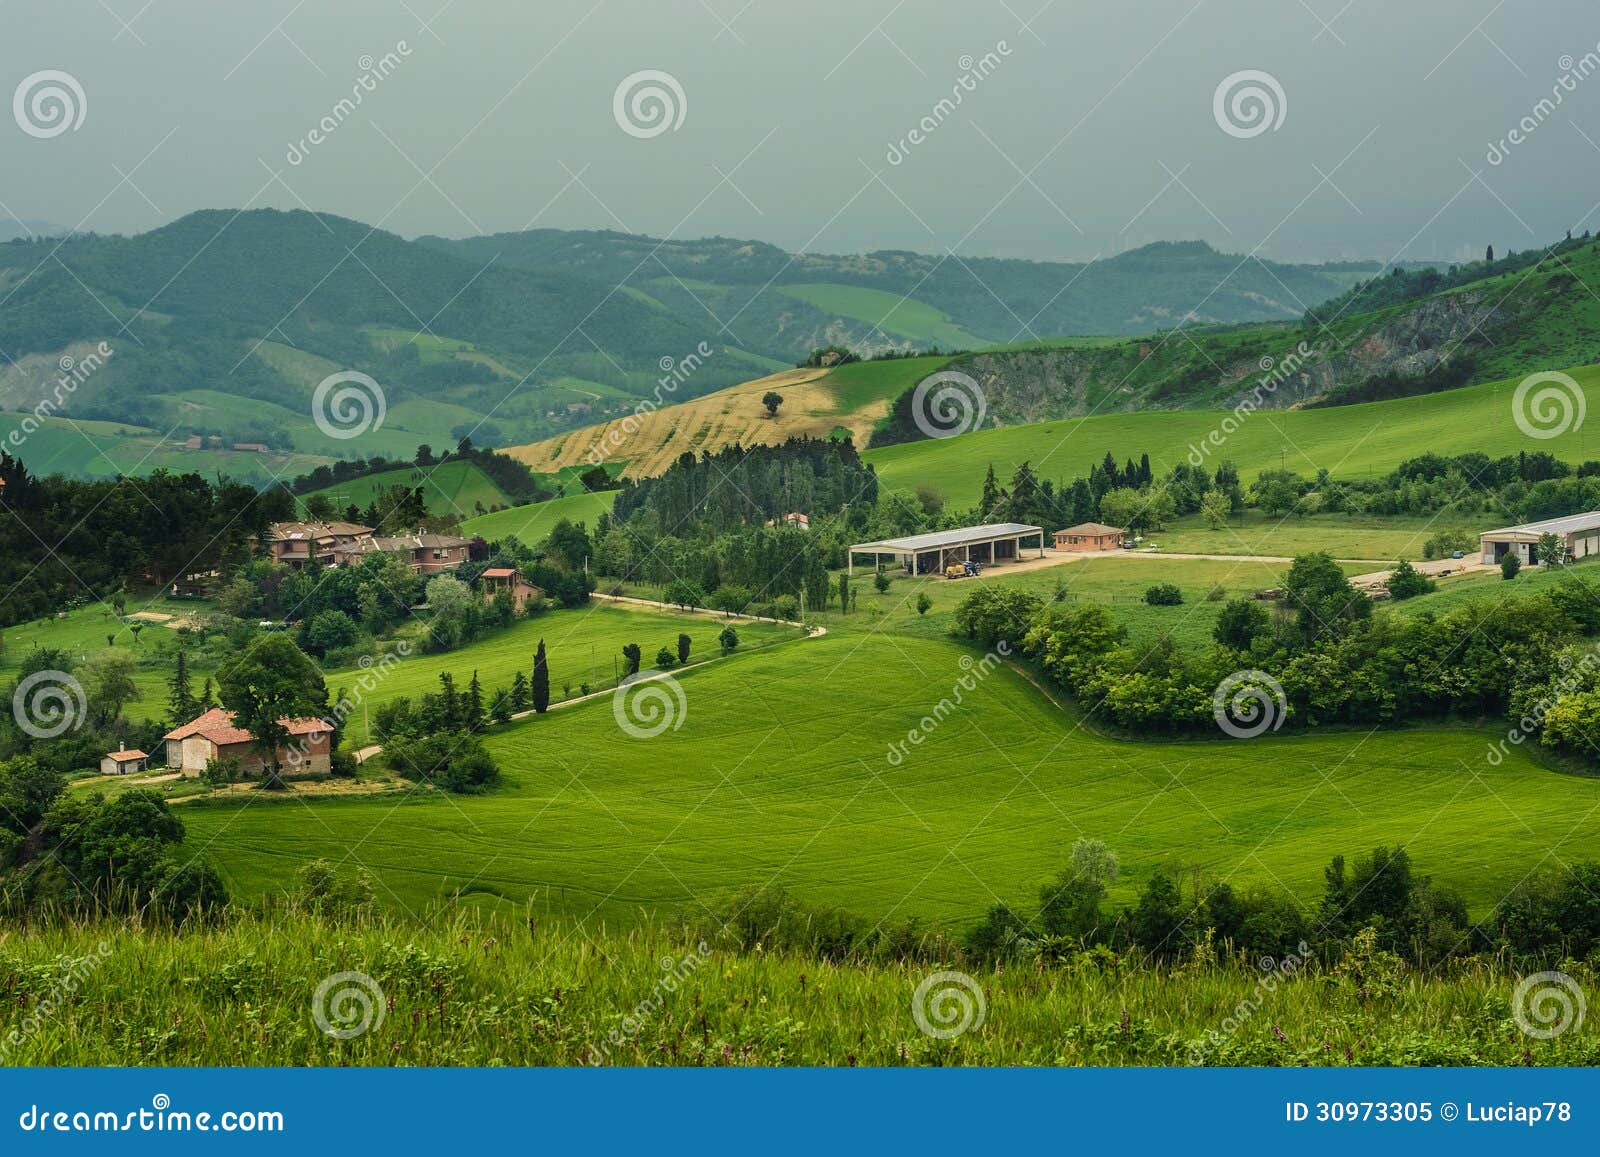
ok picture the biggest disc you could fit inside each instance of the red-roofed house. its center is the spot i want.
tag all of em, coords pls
(213, 736)
(504, 578)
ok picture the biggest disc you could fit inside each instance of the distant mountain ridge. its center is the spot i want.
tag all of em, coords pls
(223, 322)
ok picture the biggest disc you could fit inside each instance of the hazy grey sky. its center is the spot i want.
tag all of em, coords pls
(1093, 130)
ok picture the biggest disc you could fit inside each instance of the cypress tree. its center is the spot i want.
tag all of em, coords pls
(181, 698)
(541, 680)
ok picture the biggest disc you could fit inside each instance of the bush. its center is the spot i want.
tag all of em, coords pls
(881, 582)
(454, 761)
(1216, 594)
(666, 659)
(1164, 595)
(1406, 582)
(728, 639)
(1510, 564)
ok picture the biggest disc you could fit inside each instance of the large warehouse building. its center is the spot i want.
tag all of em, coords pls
(1580, 532)
(931, 553)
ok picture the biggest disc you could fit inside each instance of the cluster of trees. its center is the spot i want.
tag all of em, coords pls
(1334, 658)
(1378, 901)
(83, 850)
(733, 488)
(520, 483)
(64, 540)
(1404, 914)
(1402, 285)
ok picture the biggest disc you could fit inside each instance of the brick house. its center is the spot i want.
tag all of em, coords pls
(298, 543)
(505, 578)
(212, 736)
(425, 553)
(1089, 536)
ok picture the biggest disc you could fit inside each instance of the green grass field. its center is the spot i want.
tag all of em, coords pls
(471, 989)
(82, 632)
(532, 523)
(1341, 535)
(583, 645)
(1117, 581)
(890, 312)
(778, 774)
(451, 488)
(1364, 441)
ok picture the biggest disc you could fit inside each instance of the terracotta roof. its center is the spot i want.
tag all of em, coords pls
(499, 572)
(217, 725)
(1091, 528)
(126, 756)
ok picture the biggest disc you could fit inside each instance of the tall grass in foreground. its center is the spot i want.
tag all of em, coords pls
(472, 989)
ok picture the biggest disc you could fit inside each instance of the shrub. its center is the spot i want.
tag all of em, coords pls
(1406, 582)
(666, 659)
(923, 602)
(728, 639)
(1510, 564)
(1164, 595)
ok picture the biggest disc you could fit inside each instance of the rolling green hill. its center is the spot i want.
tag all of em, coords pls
(1359, 441)
(777, 775)
(454, 488)
(532, 523)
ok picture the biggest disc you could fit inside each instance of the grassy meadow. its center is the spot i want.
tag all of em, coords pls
(471, 989)
(1360, 441)
(778, 772)
(532, 523)
(583, 645)
(453, 489)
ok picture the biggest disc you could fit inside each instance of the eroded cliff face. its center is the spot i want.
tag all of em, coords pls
(1038, 385)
